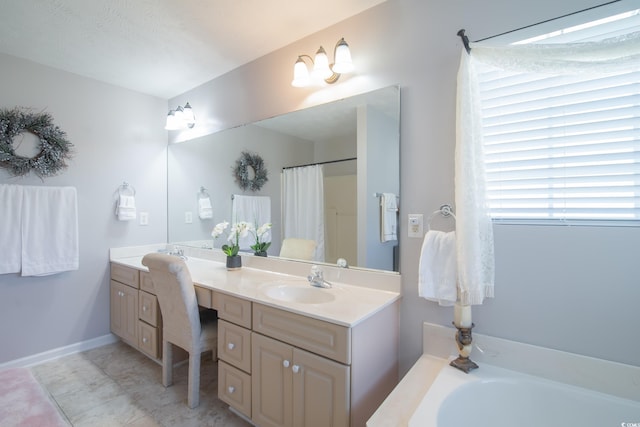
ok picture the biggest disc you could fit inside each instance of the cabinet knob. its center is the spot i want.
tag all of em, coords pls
(285, 363)
(144, 340)
(295, 369)
(231, 346)
(231, 389)
(144, 308)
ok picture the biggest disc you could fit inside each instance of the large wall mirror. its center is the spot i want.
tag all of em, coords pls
(356, 140)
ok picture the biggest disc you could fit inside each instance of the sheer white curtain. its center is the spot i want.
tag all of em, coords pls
(303, 205)
(475, 234)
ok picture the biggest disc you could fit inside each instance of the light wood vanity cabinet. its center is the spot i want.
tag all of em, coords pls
(277, 368)
(234, 352)
(135, 313)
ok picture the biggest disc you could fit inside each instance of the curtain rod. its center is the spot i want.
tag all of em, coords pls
(321, 163)
(465, 39)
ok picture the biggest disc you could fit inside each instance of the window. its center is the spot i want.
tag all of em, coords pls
(564, 148)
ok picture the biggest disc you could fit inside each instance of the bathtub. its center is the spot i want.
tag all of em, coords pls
(517, 384)
(498, 397)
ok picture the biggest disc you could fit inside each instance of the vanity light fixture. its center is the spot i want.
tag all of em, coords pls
(181, 118)
(322, 70)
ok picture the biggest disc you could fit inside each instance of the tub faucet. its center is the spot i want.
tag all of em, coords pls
(316, 278)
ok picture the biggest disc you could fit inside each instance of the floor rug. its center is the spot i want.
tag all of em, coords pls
(24, 403)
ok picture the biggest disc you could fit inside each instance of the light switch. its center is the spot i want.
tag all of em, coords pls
(188, 217)
(415, 225)
(144, 218)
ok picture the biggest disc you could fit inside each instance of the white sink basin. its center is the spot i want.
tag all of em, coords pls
(299, 294)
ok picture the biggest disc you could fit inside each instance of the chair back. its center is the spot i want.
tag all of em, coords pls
(298, 248)
(177, 298)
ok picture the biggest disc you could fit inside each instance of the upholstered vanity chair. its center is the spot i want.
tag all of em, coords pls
(298, 249)
(182, 324)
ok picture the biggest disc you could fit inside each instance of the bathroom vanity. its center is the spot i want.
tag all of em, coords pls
(289, 354)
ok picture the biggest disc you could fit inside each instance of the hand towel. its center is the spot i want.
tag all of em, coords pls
(49, 230)
(126, 208)
(388, 217)
(10, 237)
(437, 273)
(255, 210)
(205, 211)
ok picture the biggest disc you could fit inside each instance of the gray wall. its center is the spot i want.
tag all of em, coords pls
(569, 288)
(572, 288)
(118, 136)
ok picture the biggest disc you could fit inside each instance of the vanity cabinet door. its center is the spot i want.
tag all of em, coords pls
(271, 382)
(292, 387)
(124, 312)
(320, 391)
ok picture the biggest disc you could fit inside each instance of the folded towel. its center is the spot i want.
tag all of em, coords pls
(388, 217)
(437, 273)
(10, 237)
(126, 208)
(49, 230)
(205, 211)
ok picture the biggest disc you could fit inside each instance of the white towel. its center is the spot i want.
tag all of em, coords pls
(255, 210)
(126, 208)
(437, 273)
(10, 237)
(388, 217)
(49, 230)
(205, 211)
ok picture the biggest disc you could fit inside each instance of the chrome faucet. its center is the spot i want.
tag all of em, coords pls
(316, 278)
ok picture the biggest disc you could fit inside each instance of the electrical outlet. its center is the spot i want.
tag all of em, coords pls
(188, 217)
(144, 218)
(415, 225)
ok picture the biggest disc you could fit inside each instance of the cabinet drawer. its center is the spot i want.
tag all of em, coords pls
(203, 296)
(233, 309)
(146, 284)
(148, 339)
(319, 337)
(234, 388)
(126, 275)
(148, 309)
(234, 345)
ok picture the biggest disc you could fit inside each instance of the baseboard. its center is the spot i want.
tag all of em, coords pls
(60, 352)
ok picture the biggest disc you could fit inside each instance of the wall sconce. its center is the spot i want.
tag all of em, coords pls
(321, 68)
(181, 118)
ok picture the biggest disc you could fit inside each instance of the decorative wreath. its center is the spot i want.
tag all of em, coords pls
(54, 147)
(242, 171)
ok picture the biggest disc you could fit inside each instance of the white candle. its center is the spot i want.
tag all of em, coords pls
(462, 315)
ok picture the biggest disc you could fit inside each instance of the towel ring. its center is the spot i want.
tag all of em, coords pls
(126, 189)
(445, 210)
(203, 194)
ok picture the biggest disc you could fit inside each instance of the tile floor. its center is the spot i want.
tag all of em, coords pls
(116, 385)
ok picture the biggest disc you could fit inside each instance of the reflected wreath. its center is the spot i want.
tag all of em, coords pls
(247, 163)
(55, 149)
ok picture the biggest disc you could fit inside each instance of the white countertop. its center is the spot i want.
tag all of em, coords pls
(351, 305)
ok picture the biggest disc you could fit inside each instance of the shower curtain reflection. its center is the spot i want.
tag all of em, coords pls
(303, 205)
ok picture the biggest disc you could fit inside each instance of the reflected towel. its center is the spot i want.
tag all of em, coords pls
(126, 208)
(205, 211)
(255, 210)
(437, 273)
(388, 217)
(10, 237)
(49, 230)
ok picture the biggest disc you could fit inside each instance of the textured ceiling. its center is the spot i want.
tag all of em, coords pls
(160, 47)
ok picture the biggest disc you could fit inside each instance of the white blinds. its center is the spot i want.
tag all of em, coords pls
(564, 147)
